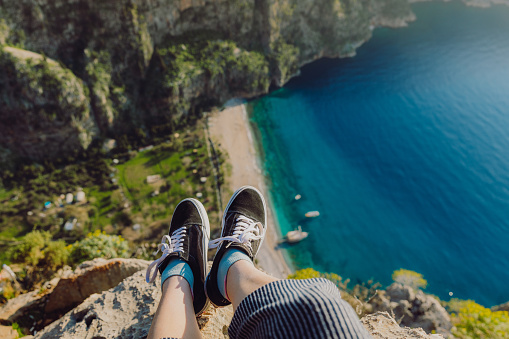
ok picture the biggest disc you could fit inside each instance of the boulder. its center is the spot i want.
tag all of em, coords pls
(126, 311)
(382, 326)
(502, 307)
(6, 332)
(38, 308)
(413, 308)
(91, 277)
(16, 308)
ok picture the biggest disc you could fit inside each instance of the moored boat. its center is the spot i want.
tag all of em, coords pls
(312, 214)
(296, 235)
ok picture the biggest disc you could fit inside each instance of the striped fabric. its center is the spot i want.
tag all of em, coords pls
(310, 308)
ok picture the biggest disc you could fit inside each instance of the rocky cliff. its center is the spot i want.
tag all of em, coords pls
(110, 299)
(130, 66)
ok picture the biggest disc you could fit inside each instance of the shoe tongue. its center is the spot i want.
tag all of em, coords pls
(187, 215)
(237, 212)
(231, 220)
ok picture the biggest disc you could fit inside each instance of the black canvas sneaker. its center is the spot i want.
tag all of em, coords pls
(187, 240)
(243, 228)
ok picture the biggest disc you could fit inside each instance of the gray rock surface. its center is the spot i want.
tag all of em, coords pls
(126, 311)
(413, 308)
(502, 307)
(88, 278)
(382, 326)
(41, 307)
(18, 308)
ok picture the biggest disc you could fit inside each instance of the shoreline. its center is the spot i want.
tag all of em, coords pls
(230, 129)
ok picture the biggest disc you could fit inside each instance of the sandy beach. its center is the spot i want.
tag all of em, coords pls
(230, 130)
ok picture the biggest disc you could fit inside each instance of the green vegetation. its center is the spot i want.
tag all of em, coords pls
(17, 328)
(285, 58)
(60, 94)
(98, 245)
(309, 273)
(473, 321)
(118, 197)
(409, 278)
(41, 257)
(219, 66)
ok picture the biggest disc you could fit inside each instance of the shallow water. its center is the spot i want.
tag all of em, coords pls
(404, 150)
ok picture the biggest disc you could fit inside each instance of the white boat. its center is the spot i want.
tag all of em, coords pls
(296, 235)
(312, 214)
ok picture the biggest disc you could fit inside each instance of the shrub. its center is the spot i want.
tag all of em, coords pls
(17, 328)
(31, 248)
(56, 254)
(409, 278)
(41, 255)
(471, 320)
(306, 273)
(7, 291)
(309, 273)
(99, 245)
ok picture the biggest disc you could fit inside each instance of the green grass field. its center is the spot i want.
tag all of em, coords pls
(122, 198)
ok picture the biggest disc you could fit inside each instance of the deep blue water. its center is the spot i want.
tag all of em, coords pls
(404, 150)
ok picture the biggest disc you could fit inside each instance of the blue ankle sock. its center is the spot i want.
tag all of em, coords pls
(178, 267)
(230, 257)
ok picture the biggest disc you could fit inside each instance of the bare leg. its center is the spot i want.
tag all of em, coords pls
(243, 279)
(175, 314)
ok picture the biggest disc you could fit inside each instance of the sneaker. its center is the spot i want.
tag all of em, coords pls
(187, 240)
(243, 227)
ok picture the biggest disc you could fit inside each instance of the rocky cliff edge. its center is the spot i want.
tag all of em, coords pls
(126, 310)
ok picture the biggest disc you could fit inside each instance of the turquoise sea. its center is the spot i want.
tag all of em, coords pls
(404, 150)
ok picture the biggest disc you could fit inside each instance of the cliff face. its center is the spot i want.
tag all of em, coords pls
(144, 64)
(45, 108)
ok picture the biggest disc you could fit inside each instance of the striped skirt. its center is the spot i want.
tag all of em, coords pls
(310, 308)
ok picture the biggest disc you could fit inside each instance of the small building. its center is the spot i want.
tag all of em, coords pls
(109, 144)
(70, 224)
(151, 179)
(69, 198)
(80, 196)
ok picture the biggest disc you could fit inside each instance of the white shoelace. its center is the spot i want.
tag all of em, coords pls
(167, 246)
(244, 232)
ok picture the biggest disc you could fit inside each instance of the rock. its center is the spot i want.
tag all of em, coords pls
(126, 311)
(6, 332)
(91, 277)
(17, 308)
(44, 107)
(397, 292)
(502, 307)
(382, 326)
(413, 308)
(41, 307)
